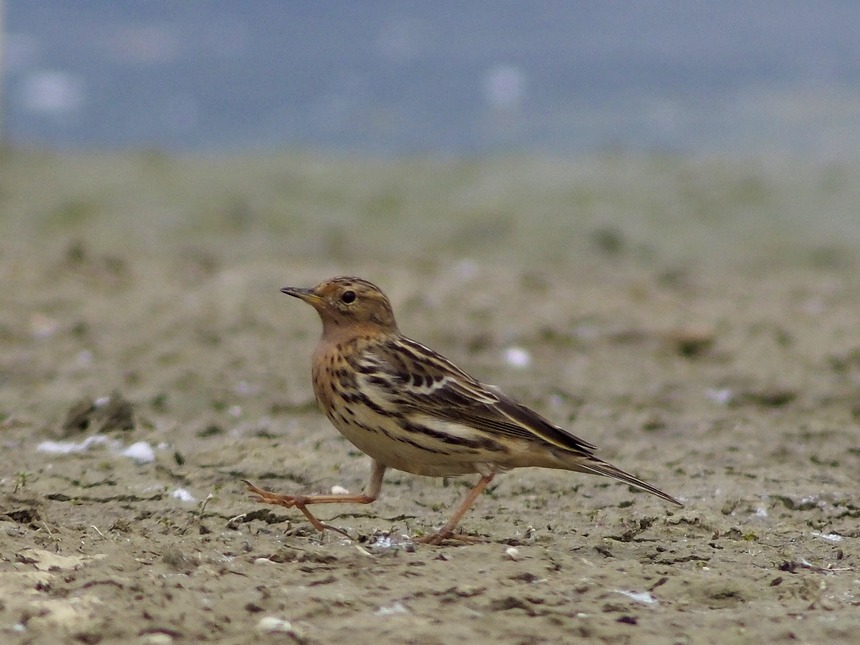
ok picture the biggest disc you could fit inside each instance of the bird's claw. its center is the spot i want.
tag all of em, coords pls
(268, 497)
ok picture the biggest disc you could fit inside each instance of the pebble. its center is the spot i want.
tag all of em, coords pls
(271, 624)
(264, 561)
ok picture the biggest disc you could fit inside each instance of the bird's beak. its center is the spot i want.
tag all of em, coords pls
(308, 295)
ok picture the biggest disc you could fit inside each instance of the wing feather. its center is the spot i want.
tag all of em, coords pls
(427, 383)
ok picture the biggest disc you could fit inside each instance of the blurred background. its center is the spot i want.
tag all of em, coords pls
(444, 78)
(666, 133)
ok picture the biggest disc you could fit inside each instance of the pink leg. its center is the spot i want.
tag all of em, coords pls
(445, 532)
(301, 502)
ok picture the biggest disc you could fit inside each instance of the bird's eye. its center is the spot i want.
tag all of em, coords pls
(348, 297)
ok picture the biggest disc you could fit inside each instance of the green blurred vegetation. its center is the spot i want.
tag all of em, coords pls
(673, 210)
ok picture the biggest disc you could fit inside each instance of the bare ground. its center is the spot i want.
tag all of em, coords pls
(733, 387)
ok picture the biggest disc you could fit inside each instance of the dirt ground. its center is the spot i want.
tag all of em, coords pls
(146, 369)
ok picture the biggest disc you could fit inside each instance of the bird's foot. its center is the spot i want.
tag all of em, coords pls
(293, 501)
(268, 497)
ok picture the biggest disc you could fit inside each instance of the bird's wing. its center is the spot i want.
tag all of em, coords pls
(425, 382)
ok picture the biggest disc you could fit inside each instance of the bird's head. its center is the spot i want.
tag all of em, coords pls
(348, 304)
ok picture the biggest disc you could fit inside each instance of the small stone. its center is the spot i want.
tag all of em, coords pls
(264, 561)
(513, 553)
(271, 624)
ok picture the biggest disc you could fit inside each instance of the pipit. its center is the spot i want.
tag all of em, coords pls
(411, 409)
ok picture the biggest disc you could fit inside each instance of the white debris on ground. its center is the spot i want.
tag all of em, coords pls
(398, 608)
(271, 625)
(513, 553)
(67, 447)
(639, 596)
(183, 495)
(721, 395)
(830, 537)
(140, 451)
(517, 357)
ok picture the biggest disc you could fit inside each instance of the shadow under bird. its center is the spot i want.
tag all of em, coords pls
(411, 409)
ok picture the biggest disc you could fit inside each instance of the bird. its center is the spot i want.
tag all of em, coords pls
(411, 409)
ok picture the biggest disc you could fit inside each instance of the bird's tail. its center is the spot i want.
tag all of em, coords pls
(600, 467)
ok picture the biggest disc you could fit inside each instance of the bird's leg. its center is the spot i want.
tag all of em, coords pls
(301, 502)
(446, 531)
